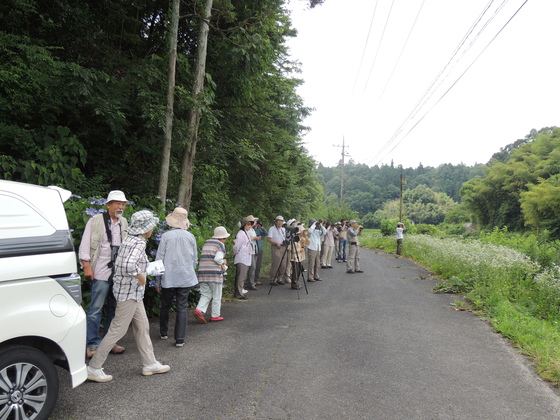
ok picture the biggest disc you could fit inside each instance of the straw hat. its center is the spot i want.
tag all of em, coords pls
(178, 219)
(220, 233)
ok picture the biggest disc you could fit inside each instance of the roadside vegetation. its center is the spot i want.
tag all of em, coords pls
(511, 280)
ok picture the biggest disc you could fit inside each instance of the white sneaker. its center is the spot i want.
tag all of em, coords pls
(97, 375)
(157, 367)
(163, 337)
(245, 291)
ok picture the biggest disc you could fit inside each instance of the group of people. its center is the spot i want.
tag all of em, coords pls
(113, 255)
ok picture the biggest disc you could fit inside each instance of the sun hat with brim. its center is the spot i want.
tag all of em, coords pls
(141, 222)
(246, 220)
(178, 219)
(116, 195)
(220, 233)
(278, 218)
(252, 218)
(352, 221)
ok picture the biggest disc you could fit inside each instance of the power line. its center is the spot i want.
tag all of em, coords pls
(365, 47)
(403, 48)
(457, 80)
(379, 45)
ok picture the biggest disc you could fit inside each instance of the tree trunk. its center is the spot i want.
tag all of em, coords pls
(185, 187)
(166, 154)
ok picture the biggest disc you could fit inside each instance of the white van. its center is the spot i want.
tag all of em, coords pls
(42, 323)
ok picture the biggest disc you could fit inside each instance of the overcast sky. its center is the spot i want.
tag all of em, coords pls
(390, 108)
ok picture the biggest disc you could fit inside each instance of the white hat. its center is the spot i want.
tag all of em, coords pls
(352, 221)
(178, 219)
(141, 222)
(289, 222)
(220, 233)
(116, 195)
(279, 218)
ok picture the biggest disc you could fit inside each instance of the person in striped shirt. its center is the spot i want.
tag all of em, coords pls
(211, 275)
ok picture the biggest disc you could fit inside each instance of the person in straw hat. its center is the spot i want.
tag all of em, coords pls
(211, 275)
(129, 285)
(177, 249)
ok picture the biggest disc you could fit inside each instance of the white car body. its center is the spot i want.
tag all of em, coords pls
(40, 292)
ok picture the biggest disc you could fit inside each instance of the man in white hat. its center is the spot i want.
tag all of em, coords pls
(276, 237)
(177, 249)
(101, 239)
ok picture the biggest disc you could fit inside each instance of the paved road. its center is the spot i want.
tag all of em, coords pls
(377, 345)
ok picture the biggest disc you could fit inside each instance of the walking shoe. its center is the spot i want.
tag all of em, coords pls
(177, 344)
(244, 297)
(310, 280)
(97, 375)
(358, 271)
(296, 287)
(163, 337)
(157, 367)
(217, 318)
(258, 283)
(273, 283)
(253, 287)
(350, 272)
(117, 349)
(90, 351)
(199, 315)
(244, 291)
(318, 279)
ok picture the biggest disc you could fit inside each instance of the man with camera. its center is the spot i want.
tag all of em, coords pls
(353, 262)
(277, 237)
(101, 239)
(315, 231)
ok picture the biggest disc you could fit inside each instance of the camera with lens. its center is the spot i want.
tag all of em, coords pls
(291, 229)
(114, 252)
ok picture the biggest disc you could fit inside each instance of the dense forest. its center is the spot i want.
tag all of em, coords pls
(83, 88)
(368, 190)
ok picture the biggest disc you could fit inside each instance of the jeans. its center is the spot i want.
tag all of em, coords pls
(342, 246)
(182, 296)
(100, 290)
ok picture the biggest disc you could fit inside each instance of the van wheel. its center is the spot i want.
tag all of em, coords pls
(28, 384)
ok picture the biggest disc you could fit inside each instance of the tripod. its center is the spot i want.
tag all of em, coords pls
(290, 244)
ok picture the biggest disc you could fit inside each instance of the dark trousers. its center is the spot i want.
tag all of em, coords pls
(182, 296)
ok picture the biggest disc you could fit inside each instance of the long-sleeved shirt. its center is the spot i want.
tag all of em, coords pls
(177, 249)
(329, 236)
(86, 253)
(131, 261)
(353, 236)
(262, 232)
(315, 237)
(242, 248)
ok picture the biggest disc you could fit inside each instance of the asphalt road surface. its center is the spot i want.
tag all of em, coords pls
(377, 345)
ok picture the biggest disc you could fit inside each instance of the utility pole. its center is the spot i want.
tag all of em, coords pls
(403, 181)
(342, 174)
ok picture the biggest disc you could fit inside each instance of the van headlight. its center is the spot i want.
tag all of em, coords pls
(72, 283)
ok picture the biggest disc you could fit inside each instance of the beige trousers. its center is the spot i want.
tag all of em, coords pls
(127, 313)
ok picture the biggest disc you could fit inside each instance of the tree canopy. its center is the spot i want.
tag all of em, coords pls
(520, 187)
(83, 102)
